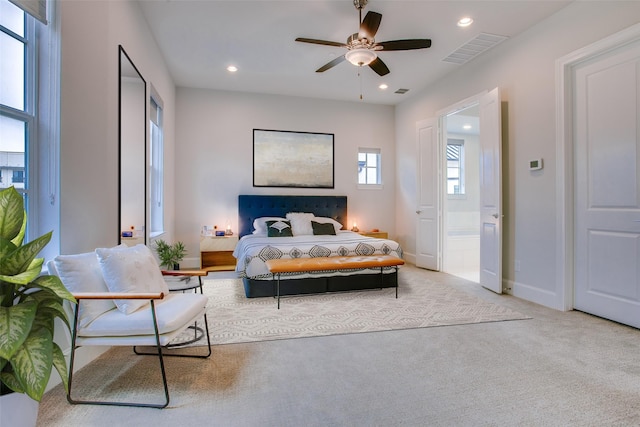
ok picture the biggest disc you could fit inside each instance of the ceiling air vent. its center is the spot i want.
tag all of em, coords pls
(474, 47)
(402, 91)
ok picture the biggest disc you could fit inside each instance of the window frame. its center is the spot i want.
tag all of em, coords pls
(28, 115)
(156, 214)
(378, 168)
(461, 168)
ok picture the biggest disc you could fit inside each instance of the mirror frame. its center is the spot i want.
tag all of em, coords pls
(122, 55)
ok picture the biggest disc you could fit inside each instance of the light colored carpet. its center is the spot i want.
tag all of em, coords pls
(421, 303)
(556, 369)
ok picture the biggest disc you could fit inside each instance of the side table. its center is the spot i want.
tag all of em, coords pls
(377, 234)
(216, 253)
(181, 281)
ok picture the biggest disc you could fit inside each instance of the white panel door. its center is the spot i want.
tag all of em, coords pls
(428, 206)
(491, 192)
(607, 186)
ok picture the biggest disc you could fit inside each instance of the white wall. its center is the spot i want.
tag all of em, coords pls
(91, 33)
(524, 69)
(214, 155)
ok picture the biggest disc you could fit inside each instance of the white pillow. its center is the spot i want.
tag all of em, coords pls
(133, 269)
(260, 224)
(300, 223)
(82, 273)
(325, 220)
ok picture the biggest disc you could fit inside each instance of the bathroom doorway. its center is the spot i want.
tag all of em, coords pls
(461, 207)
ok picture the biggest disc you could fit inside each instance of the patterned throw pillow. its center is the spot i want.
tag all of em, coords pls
(260, 224)
(320, 229)
(279, 229)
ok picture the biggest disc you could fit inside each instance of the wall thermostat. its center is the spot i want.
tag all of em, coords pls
(535, 164)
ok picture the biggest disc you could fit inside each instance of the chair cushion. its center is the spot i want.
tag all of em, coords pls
(132, 269)
(174, 311)
(82, 273)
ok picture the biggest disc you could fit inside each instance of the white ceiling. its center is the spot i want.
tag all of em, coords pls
(199, 39)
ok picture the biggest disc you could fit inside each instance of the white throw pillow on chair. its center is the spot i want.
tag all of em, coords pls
(132, 270)
(82, 273)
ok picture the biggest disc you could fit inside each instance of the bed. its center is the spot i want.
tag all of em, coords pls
(254, 248)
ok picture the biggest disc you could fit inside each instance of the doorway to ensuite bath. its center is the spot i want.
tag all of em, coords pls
(461, 201)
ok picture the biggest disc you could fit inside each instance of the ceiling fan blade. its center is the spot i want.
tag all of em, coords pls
(379, 67)
(322, 42)
(369, 25)
(331, 64)
(410, 44)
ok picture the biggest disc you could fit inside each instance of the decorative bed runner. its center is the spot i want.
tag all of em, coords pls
(423, 303)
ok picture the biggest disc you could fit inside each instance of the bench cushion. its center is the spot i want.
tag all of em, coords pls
(298, 265)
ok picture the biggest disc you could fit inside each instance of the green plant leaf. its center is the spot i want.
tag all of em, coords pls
(9, 379)
(15, 326)
(27, 276)
(60, 364)
(6, 247)
(19, 239)
(54, 284)
(33, 361)
(11, 213)
(21, 259)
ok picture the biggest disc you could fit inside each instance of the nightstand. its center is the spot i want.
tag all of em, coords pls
(376, 234)
(216, 253)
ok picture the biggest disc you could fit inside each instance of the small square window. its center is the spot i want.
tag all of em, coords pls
(369, 166)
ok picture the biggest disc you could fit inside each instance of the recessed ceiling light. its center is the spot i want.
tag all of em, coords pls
(466, 127)
(383, 86)
(232, 68)
(465, 22)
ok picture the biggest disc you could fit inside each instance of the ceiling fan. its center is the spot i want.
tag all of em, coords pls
(362, 47)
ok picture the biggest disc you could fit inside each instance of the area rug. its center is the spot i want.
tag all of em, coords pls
(421, 303)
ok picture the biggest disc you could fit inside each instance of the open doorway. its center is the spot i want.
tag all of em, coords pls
(461, 205)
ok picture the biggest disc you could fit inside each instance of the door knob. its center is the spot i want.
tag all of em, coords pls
(496, 216)
(418, 212)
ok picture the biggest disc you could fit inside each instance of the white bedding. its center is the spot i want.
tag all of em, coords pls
(253, 250)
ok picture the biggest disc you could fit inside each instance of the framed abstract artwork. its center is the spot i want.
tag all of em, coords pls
(293, 159)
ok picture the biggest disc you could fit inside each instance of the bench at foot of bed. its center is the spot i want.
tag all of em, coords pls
(277, 267)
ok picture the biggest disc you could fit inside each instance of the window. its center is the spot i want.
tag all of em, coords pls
(369, 165)
(455, 166)
(18, 84)
(18, 177)
(157, 166)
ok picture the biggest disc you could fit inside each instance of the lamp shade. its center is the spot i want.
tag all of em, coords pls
(360, 56)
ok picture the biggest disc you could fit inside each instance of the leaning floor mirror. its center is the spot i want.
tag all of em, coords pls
(132, 217)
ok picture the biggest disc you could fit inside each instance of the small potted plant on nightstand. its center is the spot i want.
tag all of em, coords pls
(170, 255)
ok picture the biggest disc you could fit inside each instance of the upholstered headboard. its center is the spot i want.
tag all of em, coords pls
(252, 207)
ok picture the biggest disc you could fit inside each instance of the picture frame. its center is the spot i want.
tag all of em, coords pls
(293, 159)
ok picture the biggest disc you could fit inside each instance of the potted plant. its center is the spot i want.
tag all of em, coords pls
(29, 303)
(170, 255)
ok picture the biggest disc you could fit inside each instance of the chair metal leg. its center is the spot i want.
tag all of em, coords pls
(112, 403)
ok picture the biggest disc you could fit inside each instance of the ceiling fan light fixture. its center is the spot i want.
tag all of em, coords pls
(360, 56)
